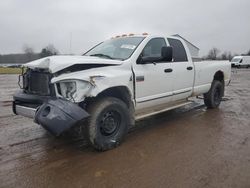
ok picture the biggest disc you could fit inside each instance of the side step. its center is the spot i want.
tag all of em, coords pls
(154, 112)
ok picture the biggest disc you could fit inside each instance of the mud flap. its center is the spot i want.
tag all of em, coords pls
(59, 115)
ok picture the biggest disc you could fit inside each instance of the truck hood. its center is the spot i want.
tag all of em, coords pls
(58, 63)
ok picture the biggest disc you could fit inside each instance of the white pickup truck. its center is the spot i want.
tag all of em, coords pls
(115, 83)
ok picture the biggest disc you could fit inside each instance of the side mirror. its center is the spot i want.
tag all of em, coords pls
(139, 59)
(167, 53)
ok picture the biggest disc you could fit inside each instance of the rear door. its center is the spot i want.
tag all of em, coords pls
(246, 60)
(153, 81)
(183, 70)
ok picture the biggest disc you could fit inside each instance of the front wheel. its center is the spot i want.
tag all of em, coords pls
(213, 97)
(108, 123)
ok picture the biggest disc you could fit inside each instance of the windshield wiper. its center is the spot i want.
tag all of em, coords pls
(102, 55)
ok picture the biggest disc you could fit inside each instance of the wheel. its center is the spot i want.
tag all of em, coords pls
(108, 123)
(213, 97)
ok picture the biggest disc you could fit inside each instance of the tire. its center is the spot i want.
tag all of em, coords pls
(213, 97)
(108, 123)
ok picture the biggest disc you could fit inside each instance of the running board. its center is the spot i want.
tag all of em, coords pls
(141, 116)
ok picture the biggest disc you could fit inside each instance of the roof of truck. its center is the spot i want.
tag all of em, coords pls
(154, 35)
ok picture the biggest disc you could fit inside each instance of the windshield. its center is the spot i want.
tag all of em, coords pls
(118, 48)
(236, 59)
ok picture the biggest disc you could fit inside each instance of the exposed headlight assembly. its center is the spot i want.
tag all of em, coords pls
(68, 89)
(73, 90)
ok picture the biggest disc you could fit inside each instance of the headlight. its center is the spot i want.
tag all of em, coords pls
(74, 90)
(67, 89)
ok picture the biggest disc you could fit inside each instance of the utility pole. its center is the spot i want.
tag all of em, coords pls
(70, 43)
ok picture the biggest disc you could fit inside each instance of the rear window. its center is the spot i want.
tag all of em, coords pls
(179, 52)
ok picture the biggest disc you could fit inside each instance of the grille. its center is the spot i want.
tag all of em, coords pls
(36, 82)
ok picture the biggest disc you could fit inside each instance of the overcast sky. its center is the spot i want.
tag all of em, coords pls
(224, 24)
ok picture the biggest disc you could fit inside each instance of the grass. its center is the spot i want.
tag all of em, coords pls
(8, 70)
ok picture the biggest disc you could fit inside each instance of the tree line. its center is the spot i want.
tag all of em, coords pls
(215, 54)
(28, 55)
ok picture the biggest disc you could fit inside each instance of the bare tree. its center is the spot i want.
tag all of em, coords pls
(52, 49)
(28, 51)
(213, 54)
(226, 56)
(49, 51)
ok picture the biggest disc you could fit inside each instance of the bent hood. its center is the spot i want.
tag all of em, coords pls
(58, 63)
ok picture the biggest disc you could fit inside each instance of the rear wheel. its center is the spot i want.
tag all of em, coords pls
(108, 123)
(213, 97)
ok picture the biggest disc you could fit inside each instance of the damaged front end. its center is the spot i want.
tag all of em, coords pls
(53, 105)
(38, 100)
(55, 115)
(51, 94)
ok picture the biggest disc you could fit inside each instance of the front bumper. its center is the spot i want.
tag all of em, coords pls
(53, 114)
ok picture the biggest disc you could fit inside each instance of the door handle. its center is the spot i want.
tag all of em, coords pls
(168, 70)
(189, 68)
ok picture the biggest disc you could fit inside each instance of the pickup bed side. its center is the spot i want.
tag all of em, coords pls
(207, 71)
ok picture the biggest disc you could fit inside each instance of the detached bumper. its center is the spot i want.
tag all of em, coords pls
(59, 115)
(55, 115)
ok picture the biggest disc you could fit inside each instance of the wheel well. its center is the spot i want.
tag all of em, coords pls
(219, 76)
(120, 92)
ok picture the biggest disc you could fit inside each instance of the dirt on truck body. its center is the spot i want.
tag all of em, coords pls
(187, 147)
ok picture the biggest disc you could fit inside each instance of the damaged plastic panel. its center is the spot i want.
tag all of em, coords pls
(59, 115)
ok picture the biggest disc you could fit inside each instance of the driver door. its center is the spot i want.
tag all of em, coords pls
(153, 81)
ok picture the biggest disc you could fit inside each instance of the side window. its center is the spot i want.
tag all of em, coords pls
(153, 47)
(179, 52)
